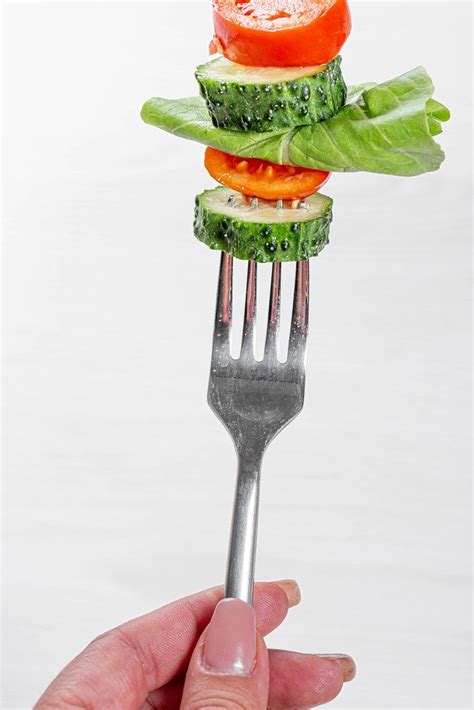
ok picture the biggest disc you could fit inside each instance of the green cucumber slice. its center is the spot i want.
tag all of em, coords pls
(227, 221)
(266, 99)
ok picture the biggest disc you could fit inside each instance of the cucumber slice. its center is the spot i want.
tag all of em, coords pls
(266, 99)
(225, 220)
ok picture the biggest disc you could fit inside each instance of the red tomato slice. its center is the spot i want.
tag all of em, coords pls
(260, 178)
(281, 33)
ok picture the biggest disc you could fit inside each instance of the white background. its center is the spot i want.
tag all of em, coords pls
(118, 479)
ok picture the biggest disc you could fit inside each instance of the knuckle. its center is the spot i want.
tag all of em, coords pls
(218, 699)
(64, 701)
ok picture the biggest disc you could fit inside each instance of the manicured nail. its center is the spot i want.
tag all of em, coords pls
(292, 591)
(231, 641)
(346, 664)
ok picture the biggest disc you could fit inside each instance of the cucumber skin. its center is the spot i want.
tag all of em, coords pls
(253, 241)
(269, 107)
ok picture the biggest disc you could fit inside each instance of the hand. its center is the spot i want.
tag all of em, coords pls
(195, 655)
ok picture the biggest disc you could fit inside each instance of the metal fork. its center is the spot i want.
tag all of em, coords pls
(255, 401)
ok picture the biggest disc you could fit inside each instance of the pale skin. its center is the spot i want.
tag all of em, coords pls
(156, 662)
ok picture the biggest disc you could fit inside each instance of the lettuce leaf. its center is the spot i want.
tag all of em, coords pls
(383, 128)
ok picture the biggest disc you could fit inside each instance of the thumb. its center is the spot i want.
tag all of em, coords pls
(229, 667)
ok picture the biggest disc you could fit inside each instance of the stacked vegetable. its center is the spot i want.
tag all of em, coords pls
(278, 119)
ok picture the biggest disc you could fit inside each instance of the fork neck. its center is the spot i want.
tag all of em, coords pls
(250, 461)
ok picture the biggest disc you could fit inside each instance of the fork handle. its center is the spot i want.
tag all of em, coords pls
(243, 536)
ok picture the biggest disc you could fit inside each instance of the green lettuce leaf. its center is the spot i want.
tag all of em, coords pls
(383, 128)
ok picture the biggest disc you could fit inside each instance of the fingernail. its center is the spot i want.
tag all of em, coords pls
(292, 591)
(231, 641)
(346, 664)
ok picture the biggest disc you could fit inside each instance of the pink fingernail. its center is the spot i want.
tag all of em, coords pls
(231, 641)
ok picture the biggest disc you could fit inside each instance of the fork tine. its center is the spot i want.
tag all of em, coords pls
(223, 320)
(248, 335)
(299, 321)
(273, 325)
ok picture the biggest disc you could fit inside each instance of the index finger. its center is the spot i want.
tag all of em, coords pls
(125, 664)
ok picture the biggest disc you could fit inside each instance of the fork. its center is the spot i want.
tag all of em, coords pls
(255, 400)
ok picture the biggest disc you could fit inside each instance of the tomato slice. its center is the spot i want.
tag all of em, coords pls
(260, 178)
(281, 33)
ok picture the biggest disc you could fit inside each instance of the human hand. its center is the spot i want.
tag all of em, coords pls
(193, 655)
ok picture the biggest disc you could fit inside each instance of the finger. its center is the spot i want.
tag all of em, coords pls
(229, 667)
(300, 680)
(347, 664)
(132, 660)
(297, 680)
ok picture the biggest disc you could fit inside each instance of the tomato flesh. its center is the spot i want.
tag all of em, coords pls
(281, 33)
(260, 178)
